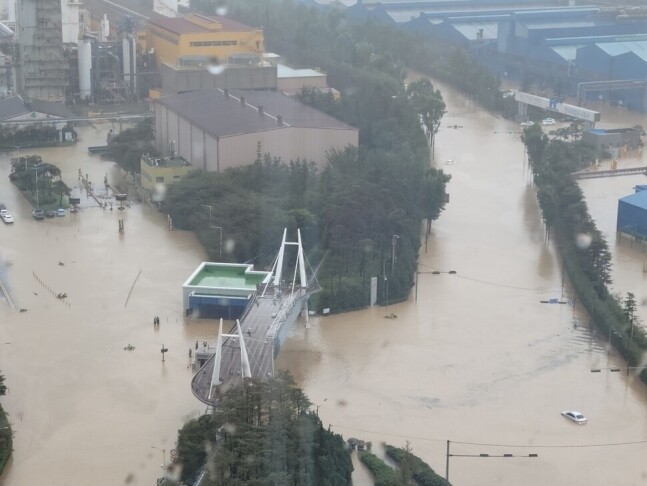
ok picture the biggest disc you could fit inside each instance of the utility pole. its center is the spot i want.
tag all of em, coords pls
(394, 242)
(447, 463)
(36, 167)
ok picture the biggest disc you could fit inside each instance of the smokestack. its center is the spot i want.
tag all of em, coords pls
(242, 100)
(279, 120)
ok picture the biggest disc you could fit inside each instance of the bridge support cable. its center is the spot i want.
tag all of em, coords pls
(279, 260)
(302, 267)
(215, 375)
(246, 371)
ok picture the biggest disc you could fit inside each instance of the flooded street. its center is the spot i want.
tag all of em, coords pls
(478, 360)
(84, 410)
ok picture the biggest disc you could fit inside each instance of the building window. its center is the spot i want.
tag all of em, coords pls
(159, 179)
(213, 43)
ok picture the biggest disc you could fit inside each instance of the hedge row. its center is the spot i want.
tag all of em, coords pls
(420, 470)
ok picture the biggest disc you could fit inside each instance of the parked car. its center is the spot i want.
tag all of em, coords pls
(50, 213)
(60, 212)
(548, 121)
(575, 416)
(527, 124)
(38, 213)
(6, 217)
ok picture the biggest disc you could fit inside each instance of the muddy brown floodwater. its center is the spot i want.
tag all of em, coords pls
(478, 360)
(85, 411)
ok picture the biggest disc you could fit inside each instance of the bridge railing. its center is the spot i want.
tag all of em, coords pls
(284, 311)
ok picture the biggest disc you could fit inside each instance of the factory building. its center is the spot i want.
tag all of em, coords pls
(42, 72)
(546, 43)
(217, 129)
(632, 213)
(215, 38)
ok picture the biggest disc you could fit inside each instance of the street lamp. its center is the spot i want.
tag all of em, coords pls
(220, 229)
(163, 459)
(386, 290)
(36, 167)
(209, 207)
(394, 242)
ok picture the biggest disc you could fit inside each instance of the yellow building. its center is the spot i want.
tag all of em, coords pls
(197, 35)
(161, 170)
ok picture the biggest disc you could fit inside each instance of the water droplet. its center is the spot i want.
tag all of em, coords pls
(221, 11)
(583, 241)
(159, 192)
(215, 67)
(230, 244)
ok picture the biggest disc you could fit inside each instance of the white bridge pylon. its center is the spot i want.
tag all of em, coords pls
(246, 370)
(277, 266)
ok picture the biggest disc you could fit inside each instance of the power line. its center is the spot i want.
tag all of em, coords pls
(555, 446)
(486, 444)
(489, 282)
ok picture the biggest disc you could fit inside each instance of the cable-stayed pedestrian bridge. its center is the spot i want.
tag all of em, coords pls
(249, 348)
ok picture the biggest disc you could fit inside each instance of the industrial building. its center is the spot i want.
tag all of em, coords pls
(161, 170)
(218, 129)
(217, 290)
(42, 72)
(632, 213)
(613, 138)
(547, 43)
(215, 38)
(15, 109)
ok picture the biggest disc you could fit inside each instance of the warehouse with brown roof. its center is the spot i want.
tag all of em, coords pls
(218, 129)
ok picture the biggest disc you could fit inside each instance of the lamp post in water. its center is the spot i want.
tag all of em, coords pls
(394, 242)
(220, 246)
(36, 167)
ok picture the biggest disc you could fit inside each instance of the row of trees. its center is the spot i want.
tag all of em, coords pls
(6, 442)
(40, 181)
(28, 136)
(585, 252)
(410, 468)
(263, 433)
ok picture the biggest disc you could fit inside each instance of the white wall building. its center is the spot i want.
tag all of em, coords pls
(216, 129)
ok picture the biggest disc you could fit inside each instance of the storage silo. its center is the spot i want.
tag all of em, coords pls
(129, 51)
(85, 69)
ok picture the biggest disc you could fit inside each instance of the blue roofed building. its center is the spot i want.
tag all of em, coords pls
(632, 213)
(547, 43)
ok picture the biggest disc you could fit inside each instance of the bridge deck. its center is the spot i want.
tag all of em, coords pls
(255, 324)
(594, 174)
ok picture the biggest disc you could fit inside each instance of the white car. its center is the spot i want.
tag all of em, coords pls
(575, 416)
(6, 217)
(548, 121)
(527, 124)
